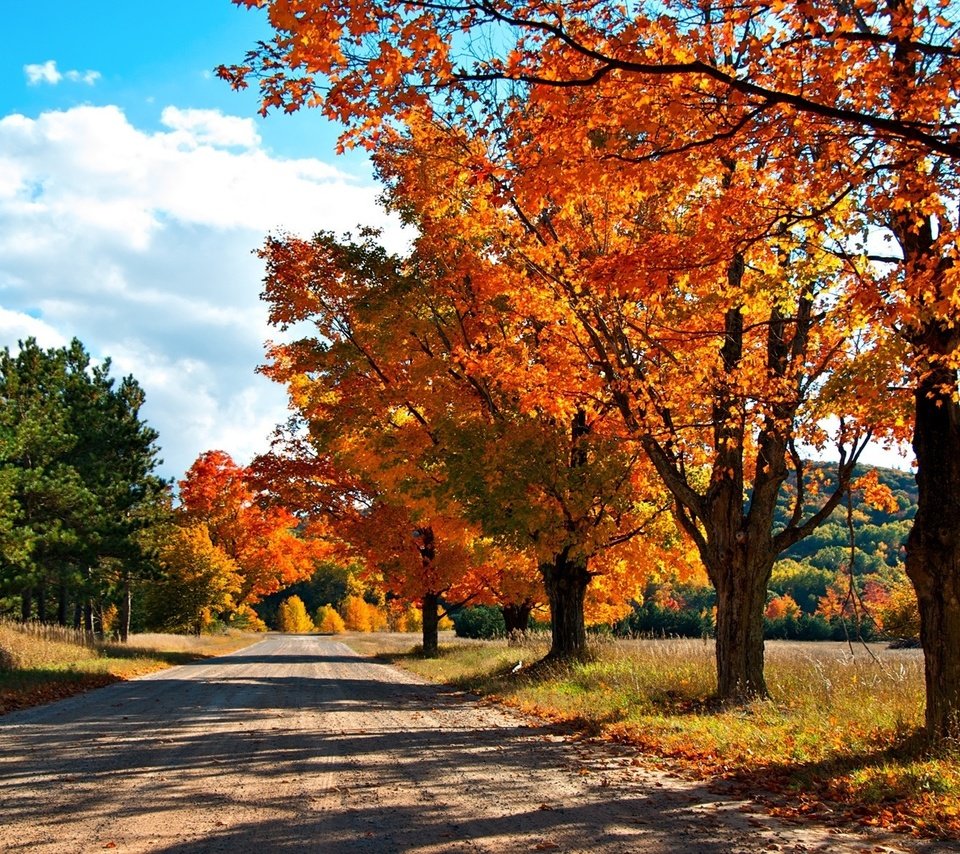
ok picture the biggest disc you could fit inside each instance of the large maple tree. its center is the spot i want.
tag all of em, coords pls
(722, 342)
(398, 386)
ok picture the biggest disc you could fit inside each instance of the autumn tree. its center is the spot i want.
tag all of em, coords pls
(824, 62)
(439, 428)
(292, 617)
(722, 346)
(198, 582)
(874, 82)
(328, 621)
(263, 540)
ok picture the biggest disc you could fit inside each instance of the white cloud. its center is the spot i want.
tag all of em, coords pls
(88, 77)
(47, 72)
(89, 166)
(16, 326)
(211, 127)
(140, 244)
(43, 73)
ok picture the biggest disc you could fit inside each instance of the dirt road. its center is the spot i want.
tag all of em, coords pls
(298, 744)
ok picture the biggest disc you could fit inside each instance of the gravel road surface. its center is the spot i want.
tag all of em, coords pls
(299, 744)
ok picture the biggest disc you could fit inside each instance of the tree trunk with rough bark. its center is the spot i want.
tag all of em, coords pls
(566, 583)
(125, 607)
(431, 623)
(933, 548)
(88, 617)
(741, 596)
(516, 617)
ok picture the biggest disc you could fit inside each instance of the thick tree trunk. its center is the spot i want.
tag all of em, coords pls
(566, 583)
(741, 597)
(88, 617)
(516, 617)
(431, 620)
(26, 604)
(738, 579)
(933, 548)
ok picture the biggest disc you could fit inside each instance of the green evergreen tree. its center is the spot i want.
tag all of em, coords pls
(76, 482)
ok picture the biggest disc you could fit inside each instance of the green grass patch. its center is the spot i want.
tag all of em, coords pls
(839, 730)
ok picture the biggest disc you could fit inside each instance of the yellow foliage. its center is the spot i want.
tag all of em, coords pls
(110, 618)
(247, 619)
(360, 616)
(377, 617)
(199, 579)
(292, 616)
(412, 620)
(328, 621)
(355, 587)
(899, 616)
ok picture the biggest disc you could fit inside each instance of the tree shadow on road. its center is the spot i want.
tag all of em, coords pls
(346, 755)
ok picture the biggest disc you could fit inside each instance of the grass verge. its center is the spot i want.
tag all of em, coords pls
(838, 737)
(40, 664)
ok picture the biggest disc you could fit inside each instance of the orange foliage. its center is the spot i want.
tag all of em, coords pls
(263, 541)
(759, 237)
(781, 607)
(898, 615)
(466, 488)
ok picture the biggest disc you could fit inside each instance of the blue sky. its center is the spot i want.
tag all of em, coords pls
(134, 186)
(148, 56)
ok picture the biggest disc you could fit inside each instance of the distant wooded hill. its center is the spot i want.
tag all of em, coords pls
(879, 534)
(808, 588)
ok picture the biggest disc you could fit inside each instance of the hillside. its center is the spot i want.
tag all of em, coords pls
(810, 588)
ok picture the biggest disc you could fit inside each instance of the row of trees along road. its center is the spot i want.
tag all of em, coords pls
(696, 229)
(77, 487)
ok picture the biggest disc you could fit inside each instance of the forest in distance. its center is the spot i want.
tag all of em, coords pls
(810, 595)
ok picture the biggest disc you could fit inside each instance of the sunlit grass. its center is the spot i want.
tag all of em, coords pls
(41, 663)
(840, 724)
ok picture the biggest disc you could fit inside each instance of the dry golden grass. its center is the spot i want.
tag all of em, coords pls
(840, 726)
(388, 643)
(41, 663)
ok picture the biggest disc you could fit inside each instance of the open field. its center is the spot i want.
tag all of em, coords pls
(39, 664)
(837, 736)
